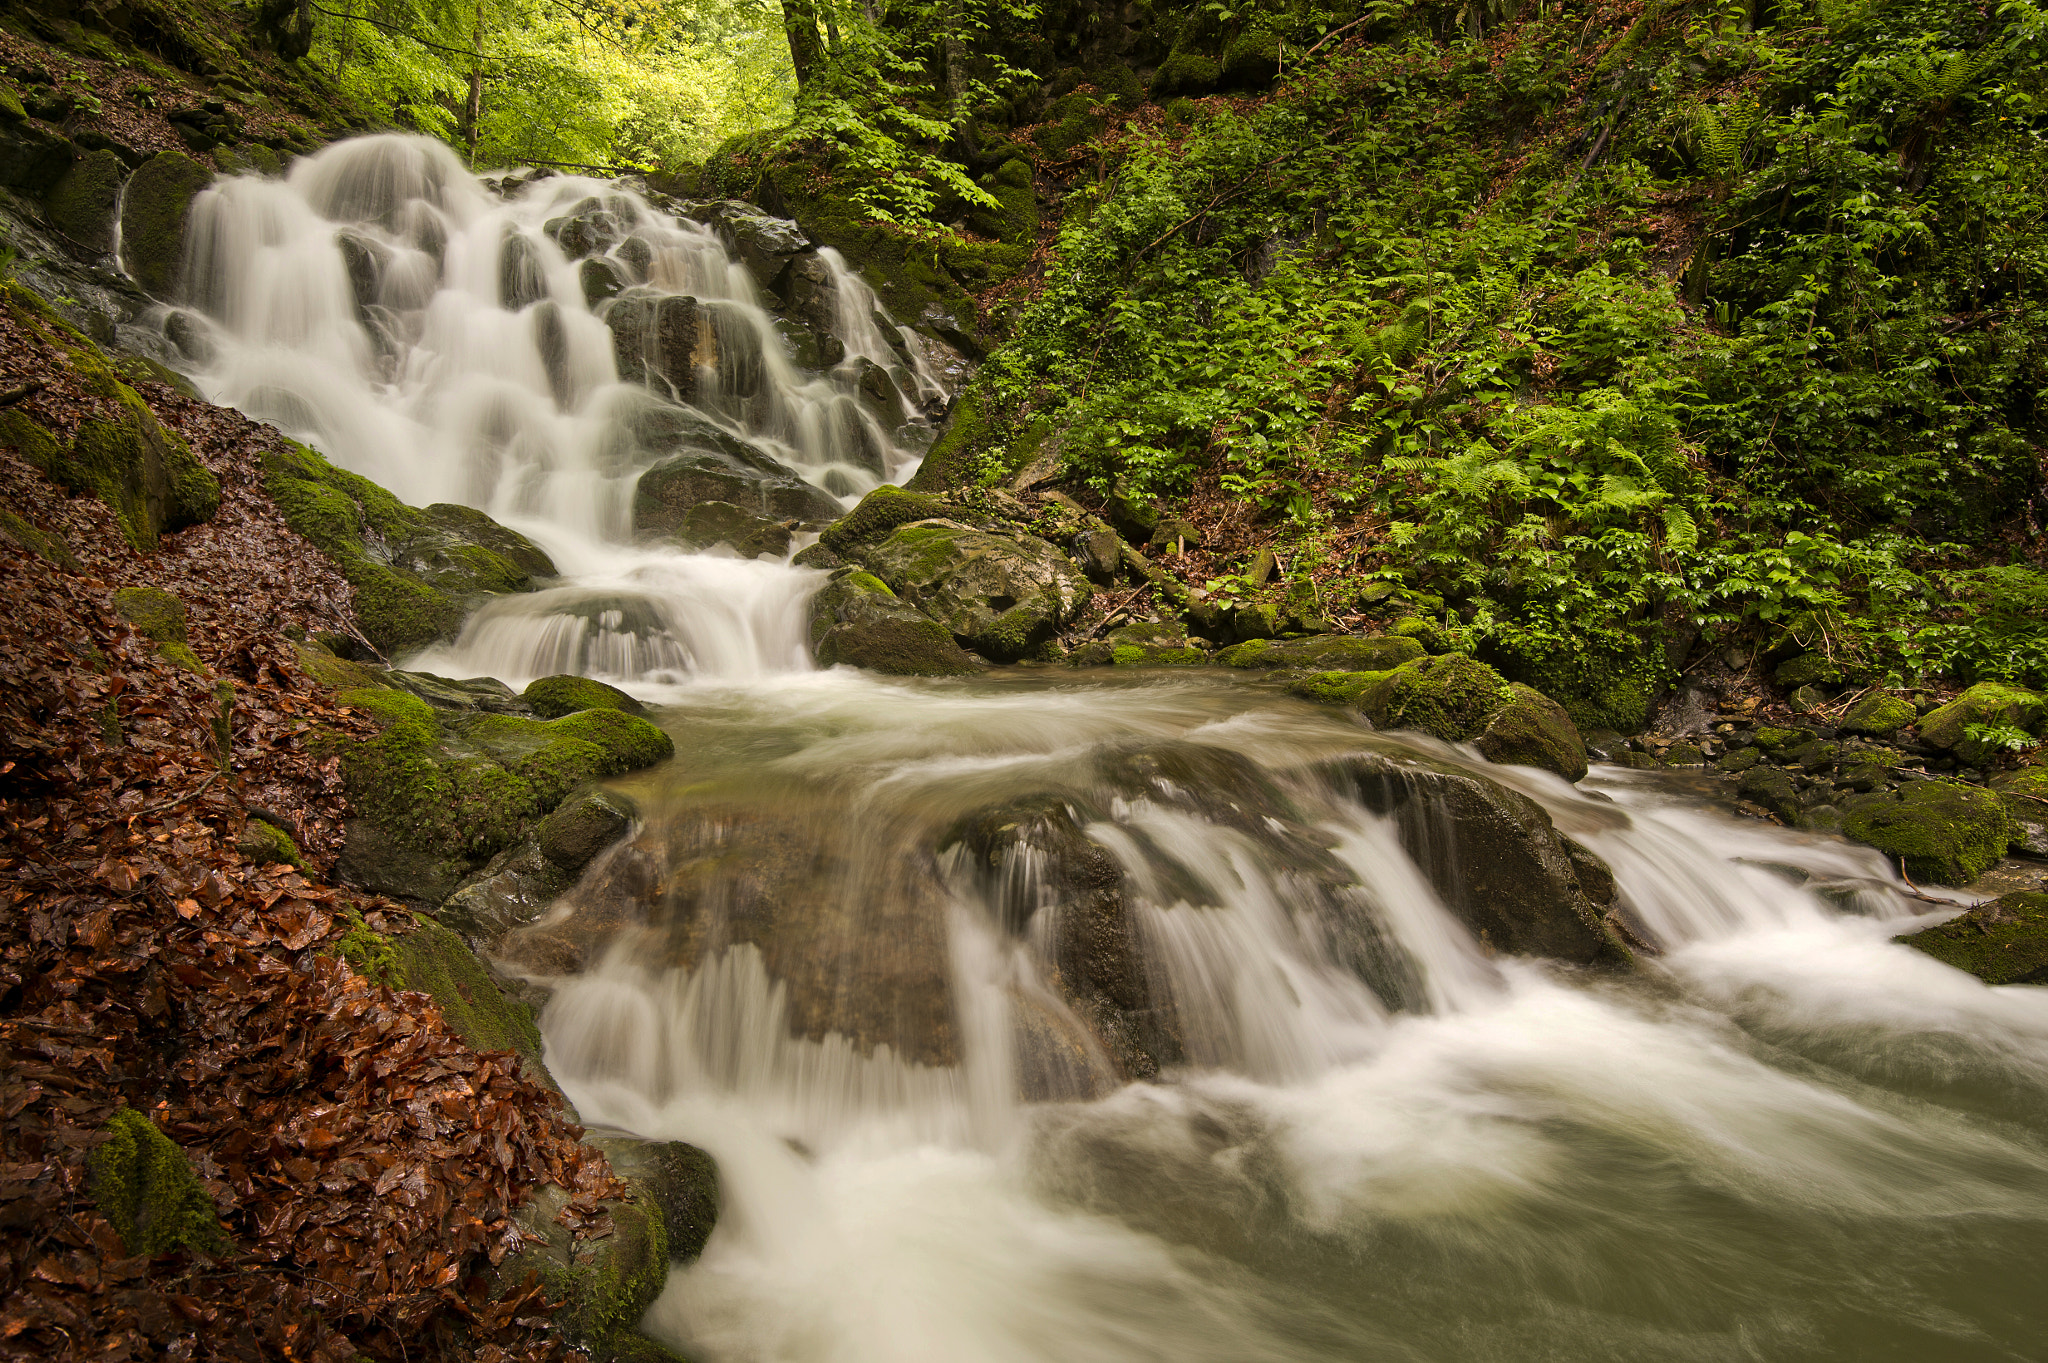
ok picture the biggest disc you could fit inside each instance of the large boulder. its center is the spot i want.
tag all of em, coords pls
(83, 203)
(145, 473)
(1940, 831)
(708, 463)
(666, 342)
(1878, 715)
(1461, 700)
(880, 513)
(1493, 855)
(857, 621)
(1002, 595)
(417, 572)
(153, 218)
(707, 525)
(1987, 704)
(2002, 942)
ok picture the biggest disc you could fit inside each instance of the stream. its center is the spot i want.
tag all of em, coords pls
(1201, 1064)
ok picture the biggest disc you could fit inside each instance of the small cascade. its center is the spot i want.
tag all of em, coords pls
(531, 346)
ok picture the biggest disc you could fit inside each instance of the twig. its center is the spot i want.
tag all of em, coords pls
(189, 795)
(1333, 33)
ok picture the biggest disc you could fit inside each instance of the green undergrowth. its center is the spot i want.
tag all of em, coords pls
(1603, 332)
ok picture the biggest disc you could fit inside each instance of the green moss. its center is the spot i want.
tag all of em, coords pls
(153, 611)
(1991, 703)
(1016, 218)
(143, 1184)
(1943, 832)
(81, 205)
(1451, 696)
(556, 756)
(437, 962)
(427, 796)
(153, 215)
(878, 514)
(1532, 730)
(553, 697)
(1775, 740)
(1324, 653)
(1252, 61)
(266, 843)
(955, 457)
(33, 442)
(10, 105)
(607, 1296)
(223, 722)
(1601, 686)
(1140, 655)
(333, 672)
(1336, 688)
(1186, 73)
(1808, 669)
(44, 545)
(1741, 760)
(1878, 715)
(2002, 942)
(370, 953)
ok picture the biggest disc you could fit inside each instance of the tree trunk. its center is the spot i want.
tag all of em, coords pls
(806, 52)
(473, 111)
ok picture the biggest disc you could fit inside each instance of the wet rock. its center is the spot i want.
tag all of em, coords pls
(735, 474)
(513, 889)
(680, 1182)
(590, 230)
(1774, 789)
(657, 340)
(585, 825)
(1532, 730)
(1324, 653)
(1492, 854)
(1684, 755)
(604, 1285)
(747, 533)
(1003, 596)
(856, 621)
(1146, 644)
(153, 217)
(880, 513)
(1878, 715)
(553, 697)
(2002, 942)
(1807, 669)
(601, 278)
(1605, 744)
(1100, 554)
(1941, 831)
(522, 272)
(1462, 700)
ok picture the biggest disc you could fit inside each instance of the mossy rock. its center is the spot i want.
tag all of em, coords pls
(266, 844)
(1986, 703)
(144, 1185)
(879, 513)
(955, 458)
(1807, 669)
(82, 204)
(2002, 942)
(417, 573)
(1451, 696)
(604, 1286)
(555, 756)
(147, 475)
(1878, 715)
(1015, 219)
(585, 825)
(1774, 789)
(153, 612)
(427, 795)
(747, 533)
(2025, 795)
(50, 548)
(1325, 653)
(1252, 61)
(32, 441)
(1943, 832)
(1004, 596)
(856, 621)
(436, 962)
(1532, 730)
(1774, 740)
(1334, 688)
(153, 220)
(554, 697)
(1741, 760)
(1186, 73)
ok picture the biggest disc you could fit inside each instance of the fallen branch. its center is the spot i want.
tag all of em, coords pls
(21, 392)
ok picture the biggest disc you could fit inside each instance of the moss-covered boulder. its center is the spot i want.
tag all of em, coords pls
(1251, 61)
(555, 756)
(157, 614)
(679, 1181)
(1532, 730)
(82, 204)
(708, 525)
(553, 697)
(1773, 788)
(1002, 595)
(436, 962)
(1324, 653)
(1334, 688)
(1878, 715)
(668, 492)
(144, 1185)
(1806, 669)
(856, 621)
(1015, 218)
(1941, 831)
(51, 548)
(1600, 685)
(1186, 73)
(1493, 855)
(604, 1285)
(417, 572)
(2002, 942)
(1990, 704)
(878, 514)
(2025, 795)
(153, 220)
(1145, 644)
(267, 844)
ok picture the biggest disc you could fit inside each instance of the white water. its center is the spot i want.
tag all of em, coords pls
(1784, 1138)
(462, 364)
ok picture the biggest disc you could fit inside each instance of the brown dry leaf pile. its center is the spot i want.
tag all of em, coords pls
(363, 1160)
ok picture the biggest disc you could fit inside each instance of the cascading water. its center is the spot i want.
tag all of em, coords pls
(531, 349)
(1106, 1020)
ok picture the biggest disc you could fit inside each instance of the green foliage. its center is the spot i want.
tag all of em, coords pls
(2006, 737)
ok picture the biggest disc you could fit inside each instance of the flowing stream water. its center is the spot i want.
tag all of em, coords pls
(1265, 1098)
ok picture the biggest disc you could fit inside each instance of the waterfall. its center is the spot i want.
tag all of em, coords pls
(1034, 1018)
(530, 347)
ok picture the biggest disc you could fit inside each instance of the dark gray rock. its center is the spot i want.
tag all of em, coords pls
(585, 825)
(857, 621)
(1001, 595)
